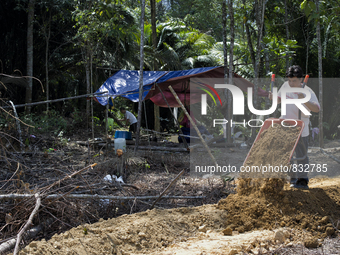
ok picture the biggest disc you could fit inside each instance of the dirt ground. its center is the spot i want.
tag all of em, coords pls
(238, 224)
(221, 223)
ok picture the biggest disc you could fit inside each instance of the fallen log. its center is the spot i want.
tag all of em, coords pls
(159, 148)
(31, 233)
(89, 196)
(215, 145)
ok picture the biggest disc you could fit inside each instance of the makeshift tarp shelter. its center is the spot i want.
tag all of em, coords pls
(126, 84)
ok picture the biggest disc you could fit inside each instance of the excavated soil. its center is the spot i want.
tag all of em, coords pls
(274, 146)
(271, 150)
(312, 210)
(237, 223)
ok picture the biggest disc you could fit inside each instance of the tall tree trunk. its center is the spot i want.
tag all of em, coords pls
(249, 41)
(231, 61)
(287, 32)
(154, 32)
(318, 33)
(88, 80)
(47, 37)
(30, 19)
(225, 60)
(260, 8)
(157, 126)
(259, 20)
(225, 52)
(141, 64)
(307, 49)
(267, 71)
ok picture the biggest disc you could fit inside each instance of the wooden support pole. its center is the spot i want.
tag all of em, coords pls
(194, 125)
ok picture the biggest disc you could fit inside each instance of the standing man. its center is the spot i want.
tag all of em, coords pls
(129, 119)
(295, 78)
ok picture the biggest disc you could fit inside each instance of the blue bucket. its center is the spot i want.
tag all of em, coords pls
(123, 134)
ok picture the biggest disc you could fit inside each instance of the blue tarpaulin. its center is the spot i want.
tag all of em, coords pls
(125, 83)
(184, 73)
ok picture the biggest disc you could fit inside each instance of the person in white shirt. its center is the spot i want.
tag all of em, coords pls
(129, 119)
(294, 74)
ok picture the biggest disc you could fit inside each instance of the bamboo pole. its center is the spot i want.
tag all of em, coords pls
(194, 125)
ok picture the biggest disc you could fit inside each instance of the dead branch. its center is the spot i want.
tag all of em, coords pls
(69, 176)
(15, 117)
(89, 196)
(10, 243)
(20, 77)
(11, 176)
(167, 188)
(28, 223)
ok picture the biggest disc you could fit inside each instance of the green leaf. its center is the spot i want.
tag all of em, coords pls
(307, 10)
(312, 5)
(303, 4)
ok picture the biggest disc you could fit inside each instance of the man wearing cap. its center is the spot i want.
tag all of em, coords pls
(295, 78)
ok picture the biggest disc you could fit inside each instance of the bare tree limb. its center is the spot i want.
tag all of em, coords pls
(69, 176)
(167, 188)
(8, 244)
(28, 223)
(97, 197)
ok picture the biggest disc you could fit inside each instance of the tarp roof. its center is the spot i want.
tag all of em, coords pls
(126, 83)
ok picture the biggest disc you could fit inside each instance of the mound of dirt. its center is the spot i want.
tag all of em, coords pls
(135, 233)
(312, 210)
